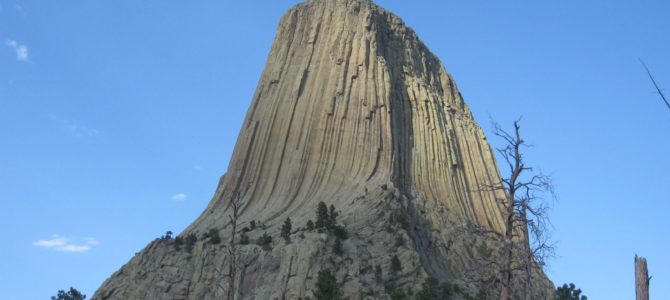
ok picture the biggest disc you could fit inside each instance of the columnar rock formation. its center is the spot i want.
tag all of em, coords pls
(353, 110)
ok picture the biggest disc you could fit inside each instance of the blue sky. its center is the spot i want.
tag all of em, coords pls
(118, 117)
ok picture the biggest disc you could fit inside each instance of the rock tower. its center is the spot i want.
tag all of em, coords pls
(354, 111)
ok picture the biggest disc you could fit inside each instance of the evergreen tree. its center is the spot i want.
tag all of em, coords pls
(322, 218)
(569, 292)
(244, 238)
(337, 247)
(72, 294)
(213, 236)
(332, 217)
(310, 225)
(265, 242)
(286, 230)
(327, 287)
(396, 266)
(429, 290)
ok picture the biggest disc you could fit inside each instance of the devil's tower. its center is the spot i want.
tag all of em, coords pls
(353, 110)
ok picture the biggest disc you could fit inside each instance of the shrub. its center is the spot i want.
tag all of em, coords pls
(399, 241)
(244, 238)
(189, 241)
(327, 287)
(429, 290)
(310, 225)
(337, 247)
(265, 242)
(252, 224)
(397, 294)
(178, 242)
(340, 232)
(396, 266)
(213, 235)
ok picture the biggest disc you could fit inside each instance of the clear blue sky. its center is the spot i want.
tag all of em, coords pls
(118, 117)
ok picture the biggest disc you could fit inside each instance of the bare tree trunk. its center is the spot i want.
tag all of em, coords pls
(232, 246)
(641, 279)
(288, 276)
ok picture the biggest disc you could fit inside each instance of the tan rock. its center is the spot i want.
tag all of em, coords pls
(353, 110)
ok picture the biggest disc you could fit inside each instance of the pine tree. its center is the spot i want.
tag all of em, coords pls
(396, 266)
(332, 217)
(337, 247)
(72, 294)
(322, 218)
(286, 230)
(310, 225)
(327, 287)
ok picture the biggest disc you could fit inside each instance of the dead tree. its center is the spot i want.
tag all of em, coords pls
(525, 213)
(286, 279)
(641, 279)
(235, 205)
(523, 241)
(658, 89)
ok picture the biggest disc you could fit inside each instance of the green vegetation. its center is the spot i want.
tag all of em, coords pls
(337, 247)
(322, 217)
(378, 273)
(396, 266)
(244, 238)
(429, 290)
(189, 241)
(569, 292)
(213, 235)
(178, 242)
(399, 241)
(327, 219)
(327, 287)
(167, 236)
(252, 225)
(310, 225)
(265, 242)
(72, 294)
(286, 230)
(397, 294)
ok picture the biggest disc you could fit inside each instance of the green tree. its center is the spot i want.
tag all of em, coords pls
(396, 266)
(337, 247)
(429, 290)
(72, 294)
(213, 236)
(322, 218)
(569, 292)
(332, 217)
(310, 225)
(327, 287)
(397, 294)
(286, 230)
(189, 241)
(244, 238)
(265, 241)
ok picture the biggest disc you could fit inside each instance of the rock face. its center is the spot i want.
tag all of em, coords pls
(353, 110)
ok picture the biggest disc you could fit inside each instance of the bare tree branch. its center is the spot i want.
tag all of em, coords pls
(658, 89)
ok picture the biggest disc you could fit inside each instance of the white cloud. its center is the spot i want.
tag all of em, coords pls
(64, 244)
(21, 50)
(75, 129)
(179, 197)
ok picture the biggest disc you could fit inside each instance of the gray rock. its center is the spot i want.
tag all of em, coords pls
(352, 109)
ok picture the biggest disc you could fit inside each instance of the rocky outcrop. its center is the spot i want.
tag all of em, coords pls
(353, 110)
